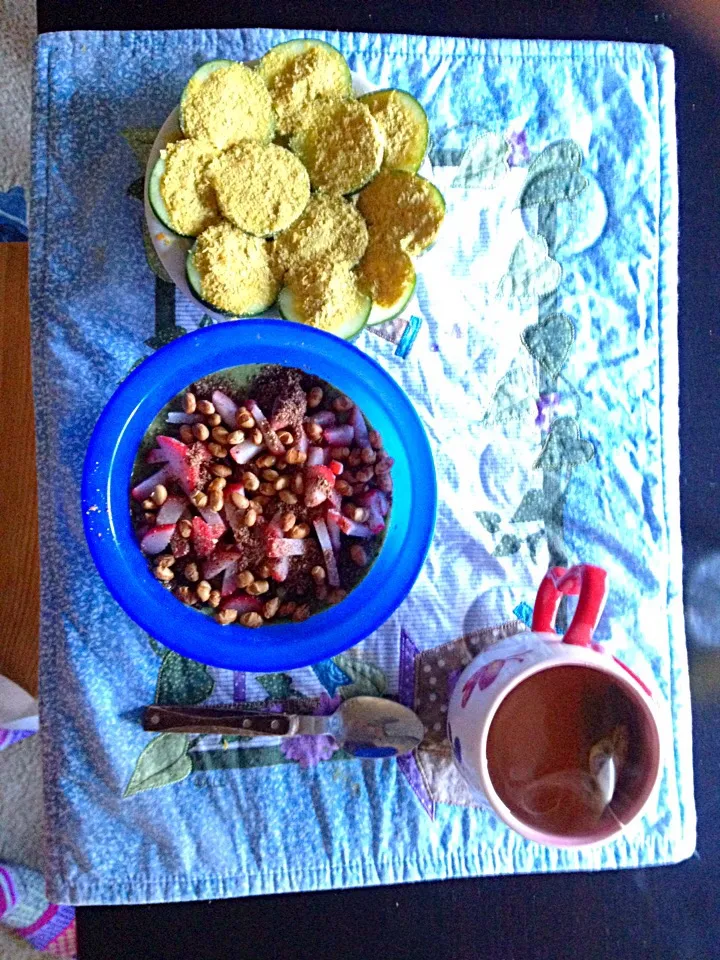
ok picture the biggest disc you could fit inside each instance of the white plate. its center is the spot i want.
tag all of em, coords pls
(171, 248)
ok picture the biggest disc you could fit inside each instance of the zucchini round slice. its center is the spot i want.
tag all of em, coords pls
(329, 229)
(327, 296)
(226, 102)
(179, 192)
(341, 145)
(262, 189)
(387, 275)
(403, 209)
(297, 73)
(404, 124)
(231, 272)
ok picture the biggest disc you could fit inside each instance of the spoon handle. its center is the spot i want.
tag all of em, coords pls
(228, 720)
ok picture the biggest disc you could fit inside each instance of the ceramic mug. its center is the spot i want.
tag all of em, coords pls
(533, 659)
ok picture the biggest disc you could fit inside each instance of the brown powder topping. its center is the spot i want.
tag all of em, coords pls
(385, 273)
(330, 229)
(186, 191)
(341, 145)
(326, 294)
(235, 270)
(404, 126)
(261, 189)
(296, 82)
(402, 209)
(231, 105)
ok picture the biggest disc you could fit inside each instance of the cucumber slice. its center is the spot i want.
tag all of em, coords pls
(403, 209)
(405, 126)
(225, 102)
(341, 145)
(155, 197)
(300, 71)
(227, 255)
(344, 323)
(199, 77)
(387, 275)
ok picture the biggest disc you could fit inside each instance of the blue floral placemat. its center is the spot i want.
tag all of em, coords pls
(541, 354)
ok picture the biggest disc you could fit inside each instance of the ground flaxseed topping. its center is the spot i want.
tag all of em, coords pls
(402, 209)
(296, 82)
(325, 293)
(230, 105)
(235, 270)
(340, 144)
(384, 273)
(404, 126)
(186, 191)
(261, 189)
(330, 229)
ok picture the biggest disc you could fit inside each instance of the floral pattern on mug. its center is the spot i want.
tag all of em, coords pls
(483, 677)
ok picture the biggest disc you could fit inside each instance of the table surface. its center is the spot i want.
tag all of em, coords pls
(665, 913)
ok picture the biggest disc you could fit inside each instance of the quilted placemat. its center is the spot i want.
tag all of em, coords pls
(541, 355)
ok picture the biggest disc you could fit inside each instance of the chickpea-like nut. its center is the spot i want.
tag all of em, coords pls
(375, 439)
(244, 419)
(263, 571)
(271, 608)
(200, 431)
(318, 574)
(300, 531)
(199, 499)
(216, 500)
(185, 595)
(159, 494)
(257, 587)
(295, 456)
(191, 572)
(368, 455)
(342, 404)
(214, 598)
(286, 438)
(251, 619)
(250, 481)
(163, 573)
(220, 434)
(287, 522)
(240, 501)
(250, 518)
(358, 555)
(214, 420)
(268, 460)
(288, 498)
(218, 450)
(256, 437)
(237, 436)
(355, 458)
(365, 475)
(282, 483)
(244, 579)
(149, 504)
(267, 489)
(298, 483)
(302, 613)
(226, 617)
(186, 433)
(314, 431)
(343, 488)
(314, 397)
(219, 483)
(206, 407)
(185, 529)
(270, 474)
(221, 470)
(203, 591)
(189, 402)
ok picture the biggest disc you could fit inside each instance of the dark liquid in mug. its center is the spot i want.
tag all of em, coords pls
(571, 753)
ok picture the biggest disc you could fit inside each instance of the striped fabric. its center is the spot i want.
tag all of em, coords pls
(25, 911)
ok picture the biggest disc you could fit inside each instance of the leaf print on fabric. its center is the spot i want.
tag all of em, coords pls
(279, 686)
(533, 541)
(164, 761)
(509, 545)
(182, 682)
(491, 521)
(367, 679)
(563, 153)
(330, 676)
(512, 398)
(564, 449)
(532, 273)
(553, 186)
(141, 140)
(549, 342)
(157, 648)
(532, 507)
(484, 163)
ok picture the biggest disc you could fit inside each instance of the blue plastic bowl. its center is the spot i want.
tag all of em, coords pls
(108, 468)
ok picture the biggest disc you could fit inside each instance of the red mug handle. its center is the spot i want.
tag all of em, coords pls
(584, 579)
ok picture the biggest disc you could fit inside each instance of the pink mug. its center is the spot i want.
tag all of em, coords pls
(558, 737)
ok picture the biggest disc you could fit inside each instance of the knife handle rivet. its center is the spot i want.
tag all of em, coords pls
(246, 723)
(274, 725)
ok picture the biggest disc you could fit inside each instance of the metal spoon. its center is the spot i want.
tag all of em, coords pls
(364, 726)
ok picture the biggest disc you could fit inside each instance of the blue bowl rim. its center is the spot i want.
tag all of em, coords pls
(323, 635)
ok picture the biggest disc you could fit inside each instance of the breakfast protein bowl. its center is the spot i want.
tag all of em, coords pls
(296, 193)
(261, 495)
